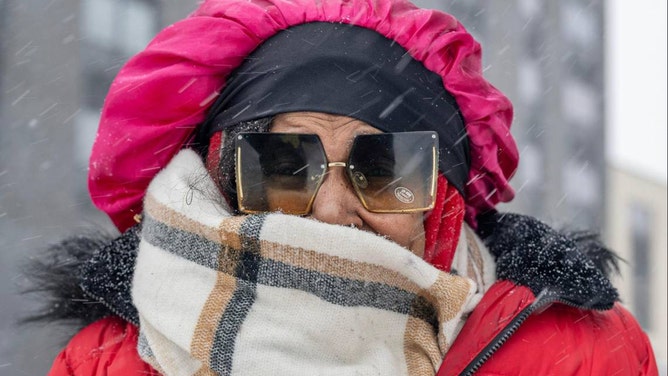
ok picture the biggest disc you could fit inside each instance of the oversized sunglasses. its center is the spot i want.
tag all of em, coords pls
(389, 172)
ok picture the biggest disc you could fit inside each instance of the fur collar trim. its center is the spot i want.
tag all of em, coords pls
(571, 267)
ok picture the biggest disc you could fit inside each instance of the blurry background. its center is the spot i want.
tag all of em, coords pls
(587, 77)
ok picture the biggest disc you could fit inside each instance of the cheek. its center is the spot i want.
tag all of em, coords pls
(406, 230)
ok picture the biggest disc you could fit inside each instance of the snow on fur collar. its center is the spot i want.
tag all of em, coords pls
(572, 267)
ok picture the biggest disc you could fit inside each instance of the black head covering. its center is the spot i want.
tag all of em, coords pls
(344, 70)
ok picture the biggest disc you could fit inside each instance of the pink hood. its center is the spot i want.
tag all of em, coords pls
(163, 93)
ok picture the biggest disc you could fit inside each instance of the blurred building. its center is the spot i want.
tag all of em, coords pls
(636, 208)
(547, 56)
(57, 59)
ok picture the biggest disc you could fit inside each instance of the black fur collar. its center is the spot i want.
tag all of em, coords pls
(85, 278)
(94, 279)
(573, 267)
(107, 276)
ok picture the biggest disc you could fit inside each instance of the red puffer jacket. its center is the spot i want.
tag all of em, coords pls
(105, 347)
(560, 340)
(511, 332)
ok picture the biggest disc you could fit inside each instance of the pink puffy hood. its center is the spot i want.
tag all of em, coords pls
(163, 93)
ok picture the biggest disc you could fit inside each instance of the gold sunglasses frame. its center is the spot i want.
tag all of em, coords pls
(321, 179)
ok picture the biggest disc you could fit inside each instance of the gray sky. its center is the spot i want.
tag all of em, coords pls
(636, 77)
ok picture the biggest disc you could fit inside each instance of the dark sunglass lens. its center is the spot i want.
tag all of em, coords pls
(394, 172)
(278, 171)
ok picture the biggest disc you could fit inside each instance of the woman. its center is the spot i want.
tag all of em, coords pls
(309, 188)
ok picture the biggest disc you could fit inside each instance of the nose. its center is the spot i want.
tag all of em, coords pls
(336, 202)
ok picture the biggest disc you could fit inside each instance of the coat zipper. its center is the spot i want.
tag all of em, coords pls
(545, 298)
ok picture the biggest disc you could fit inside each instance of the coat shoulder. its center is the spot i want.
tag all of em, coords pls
(106, 347)
(559, 340)
(563, 340)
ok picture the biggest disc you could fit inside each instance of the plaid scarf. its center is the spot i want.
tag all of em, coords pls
(280, 294)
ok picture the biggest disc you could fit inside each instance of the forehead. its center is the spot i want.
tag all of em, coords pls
(320, 123)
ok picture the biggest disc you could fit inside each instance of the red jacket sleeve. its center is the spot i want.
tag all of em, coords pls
(106, 347)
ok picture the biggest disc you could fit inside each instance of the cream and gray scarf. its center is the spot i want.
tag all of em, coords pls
(283, 295)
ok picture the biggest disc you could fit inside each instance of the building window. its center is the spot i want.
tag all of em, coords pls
(579, 24)
(640, 242)
(124, 25)
(530, 8)
(580, 103)
(580, 182)
(529, 80)
(85, 129)
(112, 31)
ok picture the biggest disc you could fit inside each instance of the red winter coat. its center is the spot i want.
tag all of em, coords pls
(105, 347)
(561, 340)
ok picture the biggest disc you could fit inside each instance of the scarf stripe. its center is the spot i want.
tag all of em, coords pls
(242, 299)
(186, 245)
(228, 328)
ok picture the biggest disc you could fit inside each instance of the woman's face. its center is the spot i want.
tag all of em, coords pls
(336, 201)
